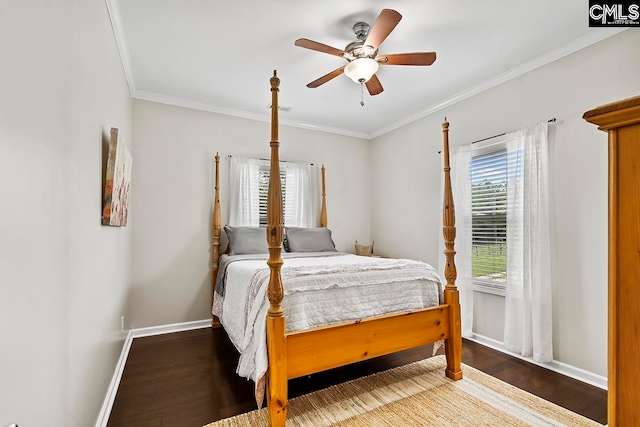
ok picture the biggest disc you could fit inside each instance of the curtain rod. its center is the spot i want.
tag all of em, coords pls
(551, 120)
(268, 160)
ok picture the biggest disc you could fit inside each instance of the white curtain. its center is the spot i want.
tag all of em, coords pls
(528, 298)
(244, 197)
(301, 195)
(300, 190)
(461, 186)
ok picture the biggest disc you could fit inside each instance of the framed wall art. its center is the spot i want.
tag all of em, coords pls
(117, 182)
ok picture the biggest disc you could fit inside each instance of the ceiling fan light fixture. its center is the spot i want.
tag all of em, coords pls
(362, 54)
(361, 70)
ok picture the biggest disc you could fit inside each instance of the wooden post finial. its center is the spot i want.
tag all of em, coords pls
(275, 85)
(275, 81)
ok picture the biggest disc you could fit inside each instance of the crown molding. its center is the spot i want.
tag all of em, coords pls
(266, 117)
(121, 43)
(587, 40)
(595, 36)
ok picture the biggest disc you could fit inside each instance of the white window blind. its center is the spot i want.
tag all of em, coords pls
(488, 174)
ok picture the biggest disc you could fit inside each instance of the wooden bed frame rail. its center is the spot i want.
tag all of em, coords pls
(315, 350)
(305, 352)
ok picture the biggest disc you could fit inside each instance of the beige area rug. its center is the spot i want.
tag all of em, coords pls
(419, 395)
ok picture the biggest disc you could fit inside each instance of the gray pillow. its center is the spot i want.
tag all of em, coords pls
(285, 242)
(246, 240)
(310, 239)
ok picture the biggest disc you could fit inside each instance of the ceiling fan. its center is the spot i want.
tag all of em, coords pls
(362, 54)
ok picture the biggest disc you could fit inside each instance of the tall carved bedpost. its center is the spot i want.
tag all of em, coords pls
(276, 339)
(323, 212)
(215, 228)
(453, 345)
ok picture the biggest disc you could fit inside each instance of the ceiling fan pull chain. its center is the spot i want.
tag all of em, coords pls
(362, 94)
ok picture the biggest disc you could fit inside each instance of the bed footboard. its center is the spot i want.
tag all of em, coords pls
(315, 350)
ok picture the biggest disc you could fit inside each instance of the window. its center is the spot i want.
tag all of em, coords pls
(488, 173)
(249, 191)
(263, 189)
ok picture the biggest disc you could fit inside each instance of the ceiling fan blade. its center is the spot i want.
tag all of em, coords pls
(374, 86)
(322, 80)
(414, 58)
(310, 44)
(385, 23)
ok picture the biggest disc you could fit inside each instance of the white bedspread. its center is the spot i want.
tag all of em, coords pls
(318, 291)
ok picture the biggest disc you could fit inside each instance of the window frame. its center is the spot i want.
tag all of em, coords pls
(483, 148)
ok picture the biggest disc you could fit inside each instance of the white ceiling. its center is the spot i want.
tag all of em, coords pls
(219, 55)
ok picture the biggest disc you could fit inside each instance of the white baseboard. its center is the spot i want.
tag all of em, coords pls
(167, 329)
(103, 417)
(559, 367)
(107, 405)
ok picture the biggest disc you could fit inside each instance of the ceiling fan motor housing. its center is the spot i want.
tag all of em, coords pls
(357, 49)
(361, 29)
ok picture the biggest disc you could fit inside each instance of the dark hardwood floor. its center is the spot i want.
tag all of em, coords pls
(188, 379)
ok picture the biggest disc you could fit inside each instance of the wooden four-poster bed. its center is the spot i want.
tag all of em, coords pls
(302, 352)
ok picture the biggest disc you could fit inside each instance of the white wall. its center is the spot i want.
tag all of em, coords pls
(100, 256)
(63, 278)
(173, 195)
(565, 89)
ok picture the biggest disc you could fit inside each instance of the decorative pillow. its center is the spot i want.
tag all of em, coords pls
(246, 240)
(310, 239)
